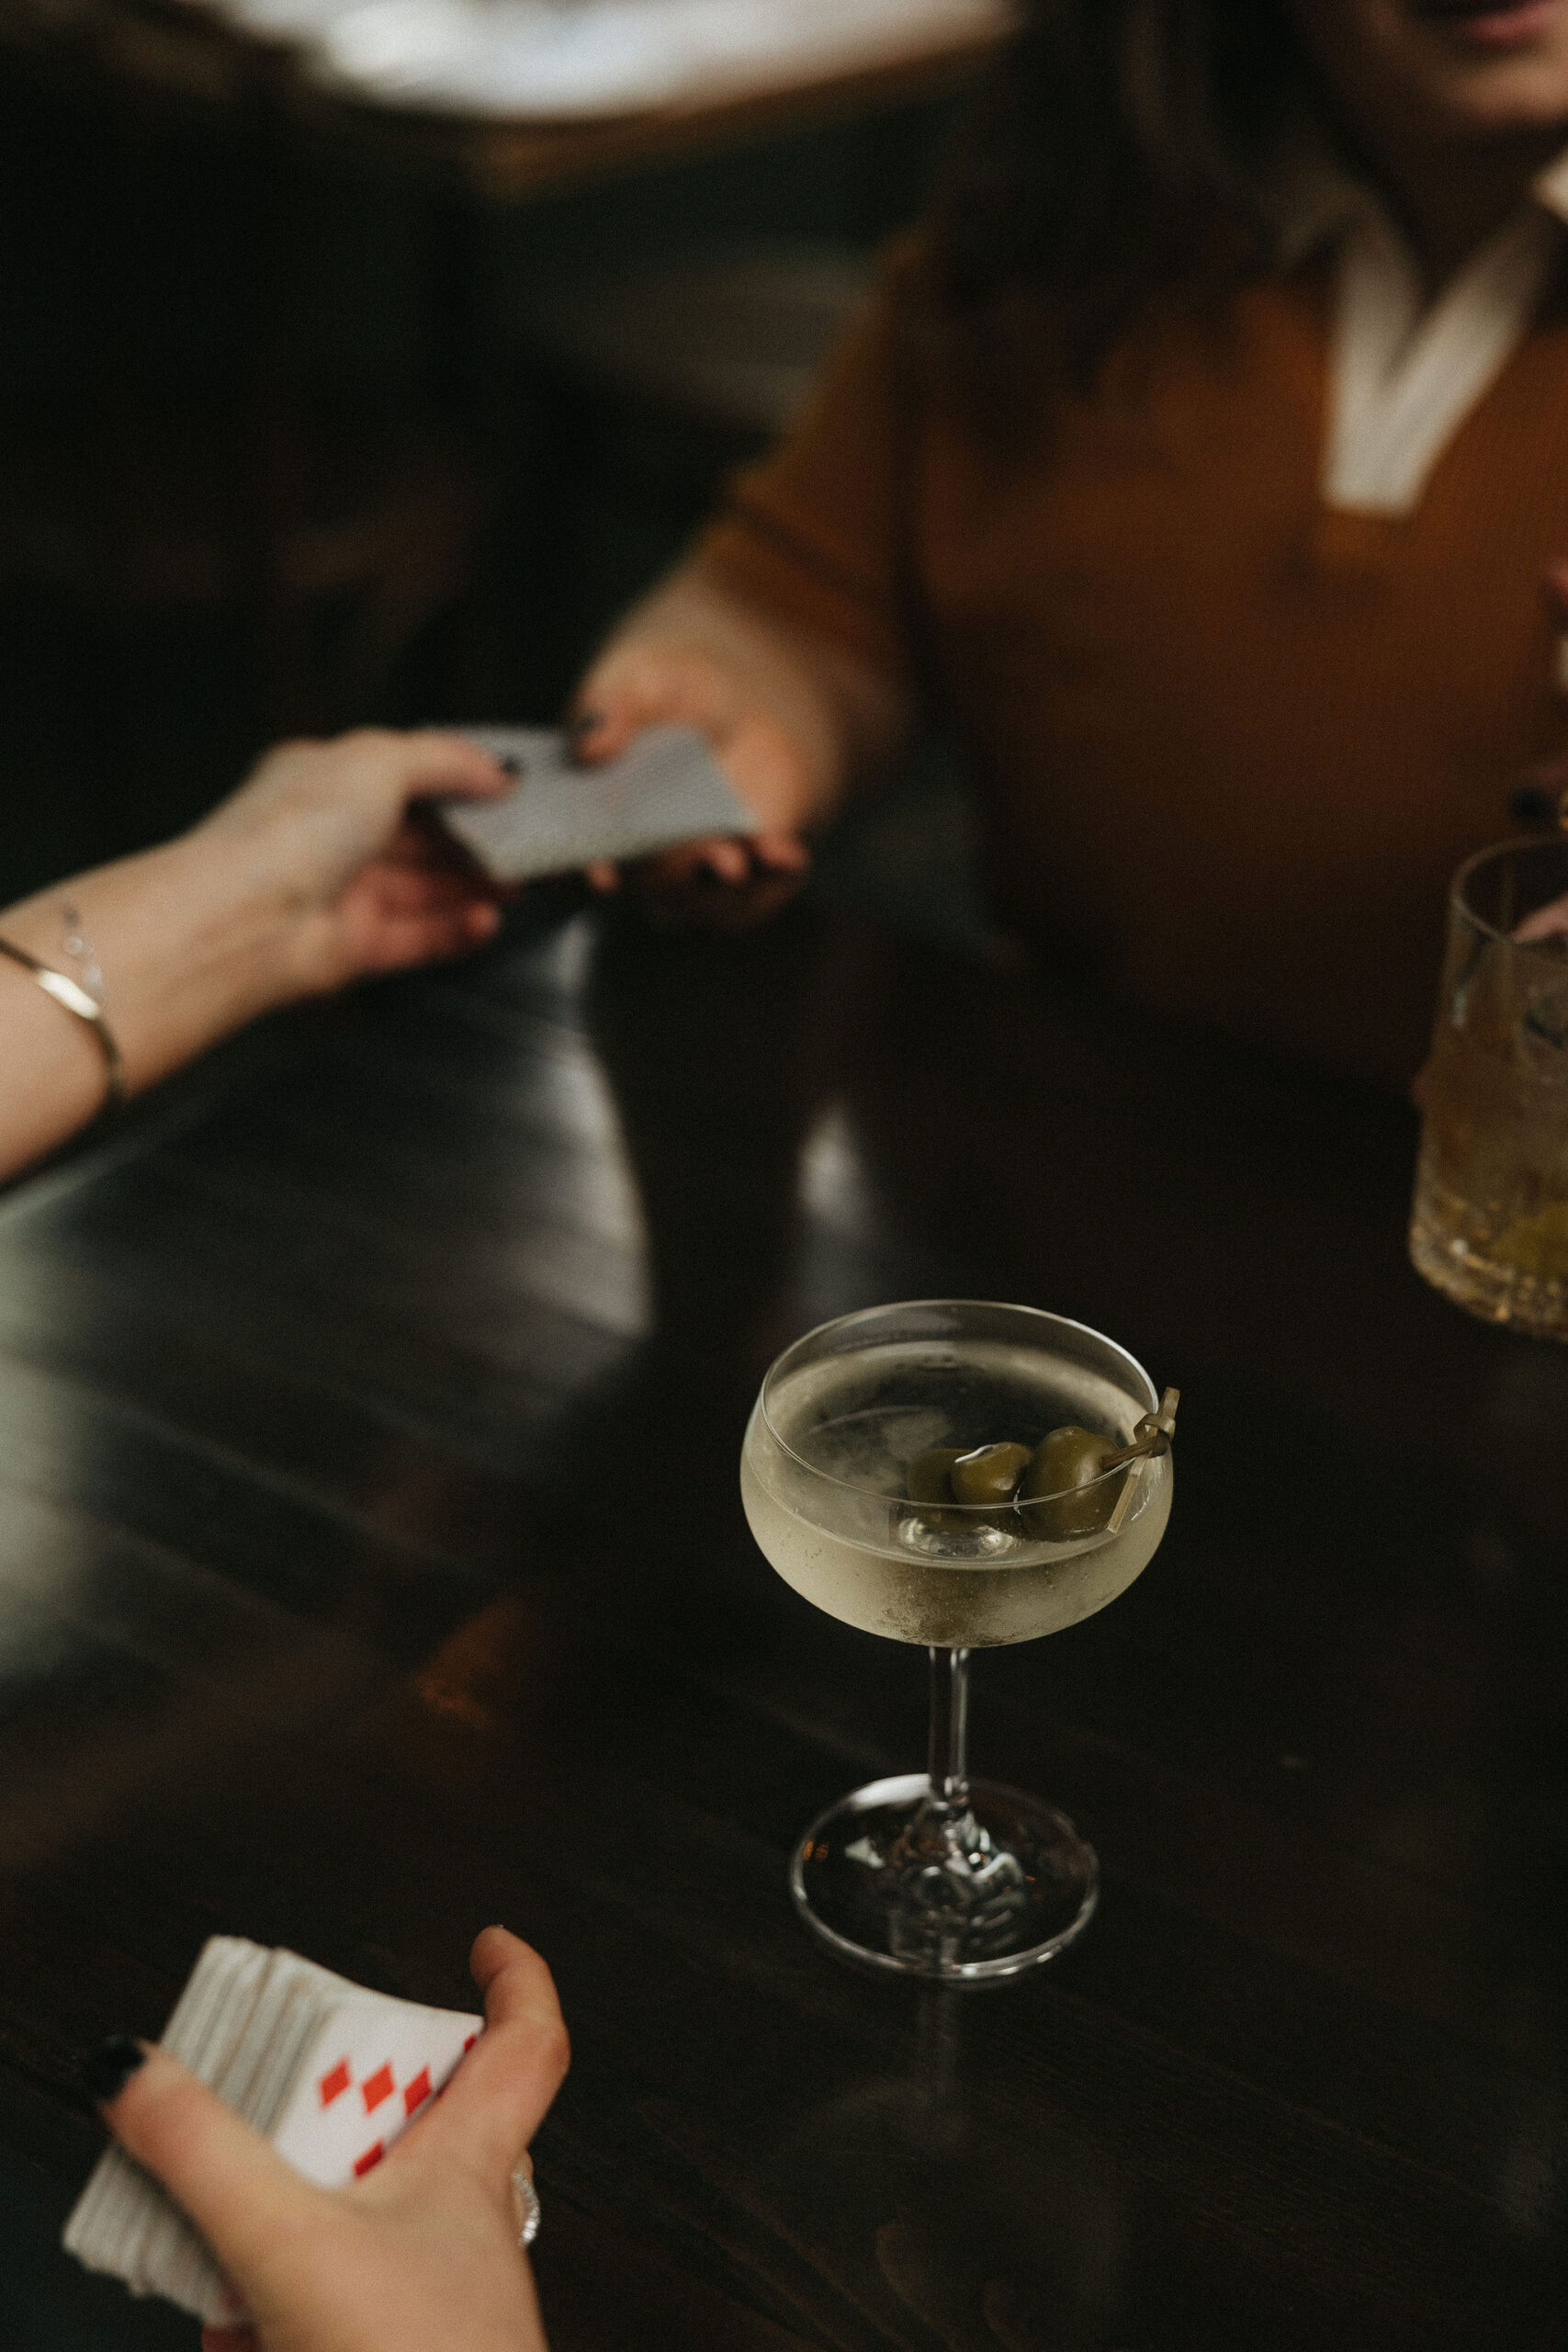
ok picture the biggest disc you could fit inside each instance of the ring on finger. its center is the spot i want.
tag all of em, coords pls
(525, 2205)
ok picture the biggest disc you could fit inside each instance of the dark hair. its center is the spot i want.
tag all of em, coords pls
(1114, 153)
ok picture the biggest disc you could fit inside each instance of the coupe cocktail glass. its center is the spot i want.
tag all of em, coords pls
(932, 1873)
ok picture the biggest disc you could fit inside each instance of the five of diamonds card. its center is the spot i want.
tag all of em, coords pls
(329, 2072)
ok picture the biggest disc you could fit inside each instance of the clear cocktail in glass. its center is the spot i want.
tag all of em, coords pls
(932, 1873)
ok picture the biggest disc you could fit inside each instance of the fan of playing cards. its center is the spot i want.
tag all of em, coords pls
(330, 2073)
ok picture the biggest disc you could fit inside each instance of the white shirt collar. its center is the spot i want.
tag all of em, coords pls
(1406, 371)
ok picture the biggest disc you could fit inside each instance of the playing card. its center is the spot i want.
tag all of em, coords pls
(158, 2236)
(373, 2066)
(330, 2072)
(119, 2206)
(666, 787)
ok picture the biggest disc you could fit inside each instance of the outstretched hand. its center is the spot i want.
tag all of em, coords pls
(728, 882)
(421, 2252)
(370, 883)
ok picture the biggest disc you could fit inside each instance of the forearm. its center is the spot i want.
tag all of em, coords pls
(315, 873)
(846, 720)
(190, 947)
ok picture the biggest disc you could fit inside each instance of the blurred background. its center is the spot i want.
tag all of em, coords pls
(362, 358)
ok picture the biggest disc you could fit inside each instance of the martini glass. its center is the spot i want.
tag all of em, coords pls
(932, 1873)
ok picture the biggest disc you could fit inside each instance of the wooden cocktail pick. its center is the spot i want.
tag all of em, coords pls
(1152, 1435)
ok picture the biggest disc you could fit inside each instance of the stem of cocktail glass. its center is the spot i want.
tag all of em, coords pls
(949, 1756)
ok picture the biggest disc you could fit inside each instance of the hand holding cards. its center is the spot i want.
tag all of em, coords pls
(330, 2073)
(666, 787)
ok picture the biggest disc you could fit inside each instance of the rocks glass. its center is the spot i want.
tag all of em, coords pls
(1490, 1223)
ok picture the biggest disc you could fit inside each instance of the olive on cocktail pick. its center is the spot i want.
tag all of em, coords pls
(989, 1475)
(1052, 1501)
(927, 1475)
(927, 1480)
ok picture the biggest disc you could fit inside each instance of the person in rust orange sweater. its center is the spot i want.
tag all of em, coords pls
(1204, 465)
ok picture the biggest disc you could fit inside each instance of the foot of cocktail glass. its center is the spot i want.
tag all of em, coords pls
(933, 1874)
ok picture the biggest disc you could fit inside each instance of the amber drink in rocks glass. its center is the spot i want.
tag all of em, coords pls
(1490, 1224)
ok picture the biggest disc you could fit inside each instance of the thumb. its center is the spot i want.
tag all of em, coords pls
(647, 685)
(494, 2103)
(605, 728)
(432, 761)
(238, 2193)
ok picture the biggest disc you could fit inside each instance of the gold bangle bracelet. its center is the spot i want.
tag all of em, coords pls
(74, 999)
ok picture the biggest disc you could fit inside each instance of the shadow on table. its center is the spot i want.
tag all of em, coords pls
(47, 2300)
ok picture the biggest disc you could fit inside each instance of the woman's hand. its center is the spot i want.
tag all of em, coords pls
(794, 721)
(728, 881)
(365, 882)
(319, 869)
(420, 2253)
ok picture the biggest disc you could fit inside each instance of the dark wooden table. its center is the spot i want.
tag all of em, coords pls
(371, 1567)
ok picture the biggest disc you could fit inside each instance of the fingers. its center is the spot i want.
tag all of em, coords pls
(513, 1978)
(404, 884)
(1547, 922)
(374, 768)
(646, 686)
(726, 884)
(742, 858)
(590, 731)
(725, 860)
(735, 859)
(396, 913)
(428, 762)
(314, 815)
(598, 735)
(602, 732)
(237, 2192)
(495, 2101)
(427, 936)
(782, 853)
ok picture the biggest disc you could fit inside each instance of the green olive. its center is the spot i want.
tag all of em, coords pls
(989, 1475)
(1066, 1460)
(927, 1477)
(927, 1481)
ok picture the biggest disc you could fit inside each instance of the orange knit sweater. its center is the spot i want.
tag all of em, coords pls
(1228, 744)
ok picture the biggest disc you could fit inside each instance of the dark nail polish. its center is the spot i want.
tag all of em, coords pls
(1530, 806)
(107, 2070)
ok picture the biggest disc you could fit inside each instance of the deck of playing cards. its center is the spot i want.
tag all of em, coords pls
(665, 788)
(330, 2073)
